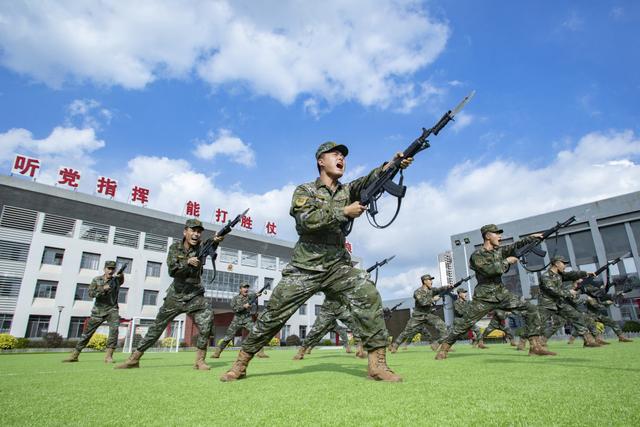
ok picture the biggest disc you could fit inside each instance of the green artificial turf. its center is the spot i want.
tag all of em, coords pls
(498, 386)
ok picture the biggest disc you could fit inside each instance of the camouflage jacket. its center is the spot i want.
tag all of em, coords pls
(552, 291)
(460, 308)
(596, 307)
(319, 217)
(105, 298)
(238, 302)
(490, 265)
(424, 300)
(186, 278)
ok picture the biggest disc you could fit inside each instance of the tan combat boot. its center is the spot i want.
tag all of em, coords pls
(536, 347)
(589, 341)
(215, 354)
(300, 354)
(73, 357)
(132, 362)
(512, 342)
(601, 340)
(378, 369)
(108, 357)
(308, 351)
(622, 338)
(543, 340)
(239, 368)
(435, 346)
(571, 339)
(347, 349)
(360, 351)
(442, 352)
(522, 344)
(393, 348)
(261, 354)
(199, 363)
(481, 345)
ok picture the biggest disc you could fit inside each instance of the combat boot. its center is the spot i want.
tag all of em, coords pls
(217, 351)
(522, 344)
(512, 342)
(199, 363)
(300, 354)
(73, 357)
(347, 348)
(536, 347)
(543, 341)
(360, 351)
(474, 344)
(393, 348)
(308, 351)
(442, 352)
(434, 346)
(108, 357)
(601, 341)
(239, 368)
(378, 369)
(571, 339)
(589, 341)
(132, 362)
(481, 345)
(622, 338)
(261, 354)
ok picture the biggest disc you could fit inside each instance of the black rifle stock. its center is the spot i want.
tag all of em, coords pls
(114, 283)
(534, 247)
(254, 300)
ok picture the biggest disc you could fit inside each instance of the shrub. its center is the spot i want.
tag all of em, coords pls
(631, 326)
(37, 344)
(7, 342)
(275, 342)
(52, 339)
(168, 342)
(326, 342)
(292, 340)
(416, 339)
(69, 343)
(22, 343)
(98, 342)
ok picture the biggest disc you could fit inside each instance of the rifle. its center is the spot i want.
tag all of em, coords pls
(377, 265)
(254, 300)
(534, 247)
(114, 283)
(446, 290)
(209, 247)
(600, 291)
(384, 183)
(388, 312)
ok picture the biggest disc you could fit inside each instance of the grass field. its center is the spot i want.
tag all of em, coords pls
(498, 386)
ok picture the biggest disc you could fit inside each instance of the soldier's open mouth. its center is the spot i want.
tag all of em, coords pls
(340, 165)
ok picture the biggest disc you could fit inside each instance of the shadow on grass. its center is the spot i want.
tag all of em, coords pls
(570, 362)
(324, 367)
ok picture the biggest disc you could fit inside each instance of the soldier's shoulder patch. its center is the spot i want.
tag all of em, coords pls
(300, 201)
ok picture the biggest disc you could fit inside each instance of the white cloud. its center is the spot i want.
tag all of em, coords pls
(462, 120)
(360, 51)
(225, 144)
(88, 113)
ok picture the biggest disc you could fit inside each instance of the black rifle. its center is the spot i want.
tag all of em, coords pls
(254, 300)
(587, 282)
(209, 247)
(384, 183)
(114, 283)
(534, 247)
(446, 290)
(388, 312)
(377, 265)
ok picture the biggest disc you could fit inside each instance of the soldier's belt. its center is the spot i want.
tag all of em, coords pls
(324, 239)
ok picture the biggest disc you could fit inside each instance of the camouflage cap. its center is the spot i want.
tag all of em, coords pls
(329, 146)
(461, 290)
(244, 285)
(193, 223)
(490, 228)
(426, 276)
(559, 258)
(109, 264)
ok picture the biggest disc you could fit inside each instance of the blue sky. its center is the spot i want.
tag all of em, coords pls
(259, 85)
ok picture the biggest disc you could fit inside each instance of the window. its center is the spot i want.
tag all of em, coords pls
(52, 256)
(94, 232)
(14, 251)
(317, 309)
(18, 218)
(268, 262)
(58, 225)
(283, 263)
(268, 282)
(5, 323)
(9, 286)
(38, 326)
(82, 292)
(249, 259)
(149, 297)
(616, 241)
(557, 247)
(122, 261)
(90, 261)
(303, 309)
(227, 281)
(76, 327)
(228, 256)
(156, 243)
(124, 237)
(46, 289)
(584, 248)
(285, 332)
(303, 332)
(123, 293)
(153, 269)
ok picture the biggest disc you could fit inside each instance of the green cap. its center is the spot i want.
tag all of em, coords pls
(426, 276)
(245, 285)
(329, 146)
(490, 228)
(109, 264)
(559, 258)
(193, 223)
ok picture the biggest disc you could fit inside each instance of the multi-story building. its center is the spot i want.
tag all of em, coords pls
(54, 241)
(603, 230)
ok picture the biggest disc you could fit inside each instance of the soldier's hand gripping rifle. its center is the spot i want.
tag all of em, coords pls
(599, 292)
(388, 312)
(377, 265)
(534, 247)
(114, 283)
(253, 301)
(384, 183)
(210, 246)
(446, 290)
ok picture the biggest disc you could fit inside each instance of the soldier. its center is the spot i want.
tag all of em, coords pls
(500, 321)
(184, 295)
(422, 314)
(105, 308)
(490, 262)
(598, 309)
(241, 305)
(554, 300)
(460, 307)
(320, 262)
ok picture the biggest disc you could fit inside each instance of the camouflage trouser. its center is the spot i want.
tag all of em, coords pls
(552, 324)
(196, 307)
(418, 323)
(237, 323)
(501, 298)
(112, 317)
(566, 312)
(475, 329)
(496, 323)
(343, 283)
(322, 325)
(590, 321)
(606, 321)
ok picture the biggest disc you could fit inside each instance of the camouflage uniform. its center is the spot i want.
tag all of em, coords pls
(554, 299)
(326, 321)
(105, 309)
(241, 319)
(184, 295)
(499, 321)
(422, 316)
(491, 294)
(598, 313)
(460, 308)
